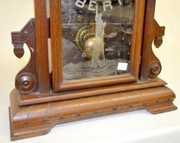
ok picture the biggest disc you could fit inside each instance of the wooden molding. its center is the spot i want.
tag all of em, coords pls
(153, 33)
(29, 121)
(105, 90)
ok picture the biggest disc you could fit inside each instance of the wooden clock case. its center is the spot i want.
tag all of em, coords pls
(41, 100)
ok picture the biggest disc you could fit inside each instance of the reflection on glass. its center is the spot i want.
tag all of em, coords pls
(97, 37)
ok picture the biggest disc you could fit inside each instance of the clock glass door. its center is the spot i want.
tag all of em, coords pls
(97, 38)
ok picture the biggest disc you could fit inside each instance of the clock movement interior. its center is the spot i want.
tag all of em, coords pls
(97, 37)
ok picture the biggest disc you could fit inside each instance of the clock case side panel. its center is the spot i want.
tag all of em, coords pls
(57, 52)
(153, 34)
(34, 78)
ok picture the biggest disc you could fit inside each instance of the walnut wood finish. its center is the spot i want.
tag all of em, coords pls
(34, 78)
(151, 66)
(41, 100)
(57, 52)
(29, 121)
(68, 95)
(26, 79)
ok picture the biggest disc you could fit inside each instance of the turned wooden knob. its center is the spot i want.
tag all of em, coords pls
(25, 82)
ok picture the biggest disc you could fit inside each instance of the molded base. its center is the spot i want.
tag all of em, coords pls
(39, 119)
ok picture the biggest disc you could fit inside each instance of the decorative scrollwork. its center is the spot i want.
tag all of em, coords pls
(159, 33)
(154, 70)
(153, 34)
(155, 66)
(26, 80)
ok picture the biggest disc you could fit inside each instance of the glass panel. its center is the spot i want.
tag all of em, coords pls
(97, 37)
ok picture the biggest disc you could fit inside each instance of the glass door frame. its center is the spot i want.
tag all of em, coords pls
(57, 53)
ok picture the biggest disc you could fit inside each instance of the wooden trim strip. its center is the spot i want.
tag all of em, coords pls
(42, 67)
(62, 96)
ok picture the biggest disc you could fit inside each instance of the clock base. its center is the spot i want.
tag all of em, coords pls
(39, 119)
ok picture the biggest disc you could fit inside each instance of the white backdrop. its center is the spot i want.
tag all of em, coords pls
(133, 127)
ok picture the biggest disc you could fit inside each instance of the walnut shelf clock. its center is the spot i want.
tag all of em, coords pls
(88, 58)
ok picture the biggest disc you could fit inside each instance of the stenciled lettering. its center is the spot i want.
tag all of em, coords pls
(80, 3)
(107, 4)
(92, 5)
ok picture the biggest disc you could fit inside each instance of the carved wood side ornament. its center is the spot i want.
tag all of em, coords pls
(155, 66)
(26, 80)
(153, 34)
